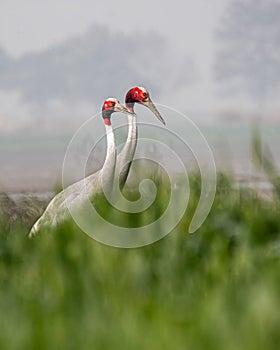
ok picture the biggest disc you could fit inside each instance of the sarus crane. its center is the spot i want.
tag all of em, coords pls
(79, 192)
(139, 95)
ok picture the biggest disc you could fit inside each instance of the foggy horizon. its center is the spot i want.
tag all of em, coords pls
(67, 76)
(216, 63)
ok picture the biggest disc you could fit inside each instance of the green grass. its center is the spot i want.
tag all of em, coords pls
(216, 289)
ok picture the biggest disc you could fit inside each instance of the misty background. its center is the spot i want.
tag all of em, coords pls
(218, 62)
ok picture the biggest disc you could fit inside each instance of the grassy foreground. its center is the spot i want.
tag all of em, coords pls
(216, 289)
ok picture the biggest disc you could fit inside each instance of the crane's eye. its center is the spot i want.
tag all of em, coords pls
(145, 95)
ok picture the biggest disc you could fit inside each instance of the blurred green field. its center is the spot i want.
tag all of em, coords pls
(216, 289)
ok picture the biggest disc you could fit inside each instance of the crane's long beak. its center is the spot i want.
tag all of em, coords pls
(149, 103)
(120, 108)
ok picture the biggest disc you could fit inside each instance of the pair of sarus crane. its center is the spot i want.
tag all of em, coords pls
(114, 165)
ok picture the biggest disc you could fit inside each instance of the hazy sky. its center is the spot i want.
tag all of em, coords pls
(37, 24)
(173, 44)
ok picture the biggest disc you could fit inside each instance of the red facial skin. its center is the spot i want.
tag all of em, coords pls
(135, 95)
(107, 121)
(107, 110)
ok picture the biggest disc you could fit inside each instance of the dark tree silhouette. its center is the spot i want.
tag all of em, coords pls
(248, 58)
(84, 67)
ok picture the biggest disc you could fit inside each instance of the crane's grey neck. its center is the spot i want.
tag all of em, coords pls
(106, 114)
(132, 127)
(132, 130)
(130, 106)
(107, 117)
(108, 170)
(126, 156)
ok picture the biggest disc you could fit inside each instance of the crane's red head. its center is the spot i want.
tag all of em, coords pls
(110, 106)
(140, 95)
(137, 94)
